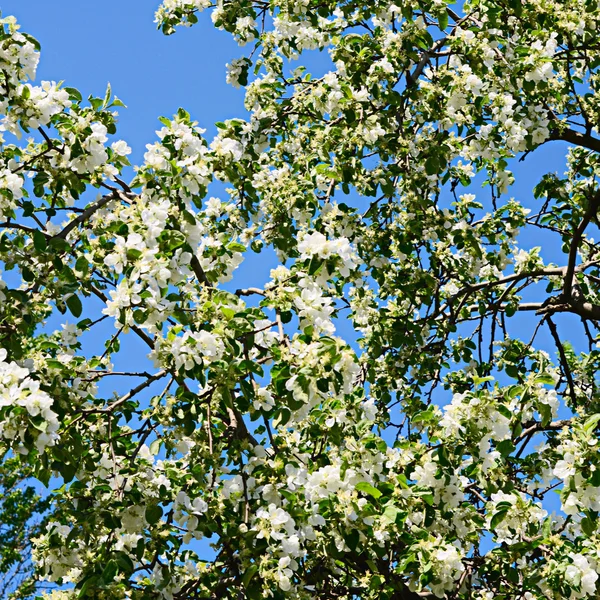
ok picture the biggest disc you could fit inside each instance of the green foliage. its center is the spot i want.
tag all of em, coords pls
(415, 461)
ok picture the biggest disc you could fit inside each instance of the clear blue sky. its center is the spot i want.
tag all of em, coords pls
(89, 44)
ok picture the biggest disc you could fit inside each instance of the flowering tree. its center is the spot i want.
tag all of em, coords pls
(416, 461)
(20, 508)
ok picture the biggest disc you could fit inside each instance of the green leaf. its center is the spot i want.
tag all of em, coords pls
(228, 313)
(403, 564)
(139, 316)
(133, 254)
(591, 423)
(236, 247)
(505, 447)
(429, 516)
(39, 241)
(155, 446)
(140, 548)
(594, 480)
(477, 381)
(515, 390)
(498, 518)
(367, 488)
(153, 514)
(118, 102)
(107, 96)
(315, 266)
(352, 538)
(86, 586)
(74, 94)
(82, 265)
(75, 306)
(326, 170)
(545, 379)
(251, 571)
(110, 571)
(173, 239)
(59, 244)
(547, 528)
(505, 411)
(546, 413)
(392, 514)
(188, 217)
(27, 274)
(432, 165)
(183, 114)
(443, 20)
(31, 39)
(588, 526)
(125, 563)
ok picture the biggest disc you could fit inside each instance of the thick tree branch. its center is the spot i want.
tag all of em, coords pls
(537, 427)
(576, 138)
(139, 332)
(133, 392)
(538, 273)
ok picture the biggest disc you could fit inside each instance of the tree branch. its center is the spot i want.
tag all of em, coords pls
(591, 210)
(199, 271)
(575, 137)
(563, 356)
(87, 213)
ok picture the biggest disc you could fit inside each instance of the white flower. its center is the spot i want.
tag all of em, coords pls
(156, 156)
(316, 244)
(565, 468)
(227, 147)
(581, 574)
(120, 148)
(369, 409)
(264, 400)
(291, 546)
(314, 308)
(214, 207)
(521, 258)
(18, 388)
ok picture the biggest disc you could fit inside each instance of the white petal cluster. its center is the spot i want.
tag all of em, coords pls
(317, 245)
(582, 576)
(19, 390)
(190, 349)
(521, 517)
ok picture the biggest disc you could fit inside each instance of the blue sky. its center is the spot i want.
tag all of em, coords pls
(88, 44)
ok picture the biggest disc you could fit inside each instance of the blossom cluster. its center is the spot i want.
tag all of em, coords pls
(387, 412)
